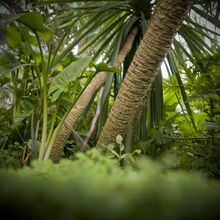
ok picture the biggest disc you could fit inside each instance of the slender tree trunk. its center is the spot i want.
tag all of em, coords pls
(83, 101)
(94, 120)
(168, 17)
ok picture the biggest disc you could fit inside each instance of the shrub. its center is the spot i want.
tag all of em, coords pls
(95, 187)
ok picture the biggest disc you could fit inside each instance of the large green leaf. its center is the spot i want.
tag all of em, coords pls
(35, 22)
(69, 74)
(13, 37)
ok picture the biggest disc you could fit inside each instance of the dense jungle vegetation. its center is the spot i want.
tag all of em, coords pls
(110, 109)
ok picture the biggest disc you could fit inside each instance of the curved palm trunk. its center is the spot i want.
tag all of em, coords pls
(135, 89)
(83, 101)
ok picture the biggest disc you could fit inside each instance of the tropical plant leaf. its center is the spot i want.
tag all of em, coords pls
(35, 22)
(69, 74)
(13, 37)
(105, 68)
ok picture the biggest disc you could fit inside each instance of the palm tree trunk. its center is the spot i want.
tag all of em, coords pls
(167, 19)
(83, 101)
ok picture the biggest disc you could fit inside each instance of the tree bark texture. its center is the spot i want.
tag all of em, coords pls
(83, 101)
(167, 19)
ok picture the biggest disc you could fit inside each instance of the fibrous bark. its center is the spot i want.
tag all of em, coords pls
(84, 99)
(94, 120)
(167, 18)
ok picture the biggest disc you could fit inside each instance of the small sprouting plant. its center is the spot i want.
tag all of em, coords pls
(119, 153)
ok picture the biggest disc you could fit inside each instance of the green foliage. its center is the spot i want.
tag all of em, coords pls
(106, 68)
(38, 65)
(196, 150)
(36, 85)
(206, 86)
(201, 84)
(199, 154)
(10, 158)
(159, 140)
(13, 37)
(122, 157)
(35, 22)
(95, 187)
(61, 82)
(206, 157)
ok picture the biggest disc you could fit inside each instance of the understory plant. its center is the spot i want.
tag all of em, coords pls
(196, 149)
(43, 81)
(95, 187)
